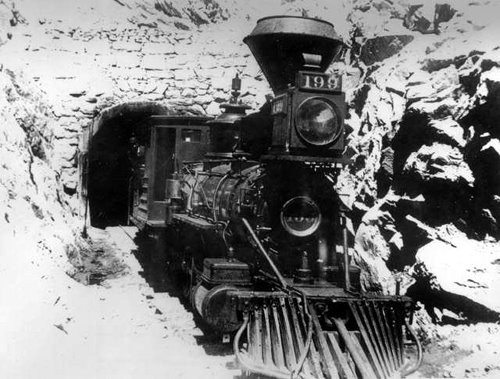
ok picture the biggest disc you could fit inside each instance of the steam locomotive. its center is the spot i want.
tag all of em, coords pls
(244, 210)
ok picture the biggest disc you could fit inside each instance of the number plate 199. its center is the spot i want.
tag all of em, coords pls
(319, 82)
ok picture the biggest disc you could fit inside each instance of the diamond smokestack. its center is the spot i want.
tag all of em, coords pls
(283, 45)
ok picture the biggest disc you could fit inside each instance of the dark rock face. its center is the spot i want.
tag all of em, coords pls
(386, 172)
(485, 112)
(425, 18)
(426, 147)
(379, 48)
(416, 20)
(440, 174)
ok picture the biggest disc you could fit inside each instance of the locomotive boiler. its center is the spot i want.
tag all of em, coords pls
(245, 214)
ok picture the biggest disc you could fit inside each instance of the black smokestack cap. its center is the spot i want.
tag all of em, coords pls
(283, 45)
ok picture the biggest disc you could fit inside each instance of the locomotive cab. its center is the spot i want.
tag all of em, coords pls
(172, 140)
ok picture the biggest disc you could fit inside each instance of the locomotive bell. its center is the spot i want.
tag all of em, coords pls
(309, 108)
(225, 129)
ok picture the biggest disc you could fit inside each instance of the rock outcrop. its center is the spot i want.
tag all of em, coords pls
(33, 209)
(459, 275)
(425, 147)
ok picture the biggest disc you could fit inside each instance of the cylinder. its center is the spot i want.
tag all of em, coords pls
(215, 308)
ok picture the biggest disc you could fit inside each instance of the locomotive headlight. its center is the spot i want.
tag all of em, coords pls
(317, 122)
(300, 216)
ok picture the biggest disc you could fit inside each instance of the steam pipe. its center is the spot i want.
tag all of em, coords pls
(416, 365)
(214, 205)
(264, 253)
(347, 279)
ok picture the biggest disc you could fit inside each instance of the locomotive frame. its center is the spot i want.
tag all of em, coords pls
(257, 237)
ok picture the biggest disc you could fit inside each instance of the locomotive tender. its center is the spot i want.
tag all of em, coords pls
(244, 211)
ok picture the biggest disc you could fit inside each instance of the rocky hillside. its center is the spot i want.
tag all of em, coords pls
(33, 214)
(424, 139)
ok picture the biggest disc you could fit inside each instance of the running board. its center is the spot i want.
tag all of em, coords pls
(281, 338)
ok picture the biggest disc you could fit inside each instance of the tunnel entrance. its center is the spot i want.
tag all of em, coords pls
(109, 161)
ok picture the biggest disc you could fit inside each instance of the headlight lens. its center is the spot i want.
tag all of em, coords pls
(317, 122)
(300, 216)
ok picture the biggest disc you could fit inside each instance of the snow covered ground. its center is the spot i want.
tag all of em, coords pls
(54, 327)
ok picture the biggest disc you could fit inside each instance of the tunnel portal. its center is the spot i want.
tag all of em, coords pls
(110, 158)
